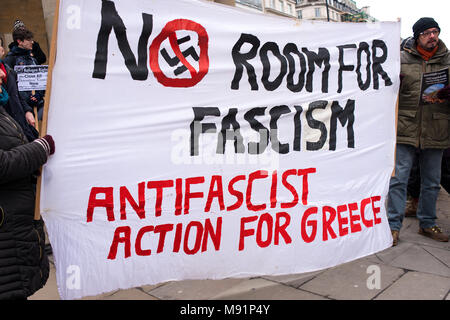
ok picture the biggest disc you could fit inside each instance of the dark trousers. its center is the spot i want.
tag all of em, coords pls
(445, 171)
(414, 178)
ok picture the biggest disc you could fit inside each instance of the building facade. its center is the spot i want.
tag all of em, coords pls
(280, 7)
(254, 5)
(38, 14)
(285, 8)
(332, 10)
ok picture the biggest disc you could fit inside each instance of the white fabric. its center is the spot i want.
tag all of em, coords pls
(118, 133)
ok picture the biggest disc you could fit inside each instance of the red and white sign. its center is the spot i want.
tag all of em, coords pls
(201, 141)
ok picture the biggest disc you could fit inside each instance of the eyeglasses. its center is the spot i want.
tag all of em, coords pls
(429, 33)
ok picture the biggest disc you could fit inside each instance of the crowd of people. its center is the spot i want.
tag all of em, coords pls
(24, 265)
(422, 154)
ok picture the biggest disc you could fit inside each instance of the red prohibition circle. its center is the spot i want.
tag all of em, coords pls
(169, 32)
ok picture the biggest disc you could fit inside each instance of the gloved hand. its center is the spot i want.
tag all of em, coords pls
(33, 101)
(444, 93)
(47, 143)
(50, 142)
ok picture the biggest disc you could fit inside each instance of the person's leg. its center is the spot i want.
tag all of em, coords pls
(413, 189)
(414, 179)
(445, 171)
(430, 171)
(398, 185)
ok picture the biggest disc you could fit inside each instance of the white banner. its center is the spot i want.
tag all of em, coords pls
(200, 141)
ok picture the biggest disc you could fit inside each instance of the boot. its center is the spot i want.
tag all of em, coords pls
(395, 237)
(411, 207)
(434, 233)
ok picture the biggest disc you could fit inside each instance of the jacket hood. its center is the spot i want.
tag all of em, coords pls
(408, 44)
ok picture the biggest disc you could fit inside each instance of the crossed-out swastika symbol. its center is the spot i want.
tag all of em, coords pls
(175, 60)
(169, 32)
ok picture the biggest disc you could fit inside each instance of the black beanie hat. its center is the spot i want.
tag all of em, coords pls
(423, 24)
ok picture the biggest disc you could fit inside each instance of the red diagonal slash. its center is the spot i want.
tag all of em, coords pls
(169, 32)
(179, 54)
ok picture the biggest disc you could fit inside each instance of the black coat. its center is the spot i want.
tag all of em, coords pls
(19, 57)
(37, 52)
(23, 57)
(24, 265)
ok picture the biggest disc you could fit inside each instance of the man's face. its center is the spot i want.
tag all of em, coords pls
(25, 44)
(2, 51)
(428, 39)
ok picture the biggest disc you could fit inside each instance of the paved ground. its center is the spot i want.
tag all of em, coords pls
(418, 268)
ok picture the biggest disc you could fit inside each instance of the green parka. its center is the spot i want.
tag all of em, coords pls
(422, 126)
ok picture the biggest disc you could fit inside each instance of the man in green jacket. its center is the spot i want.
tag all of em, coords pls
(423, 129)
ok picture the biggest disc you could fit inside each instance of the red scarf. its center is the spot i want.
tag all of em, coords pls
(5, 80)
(426, 55)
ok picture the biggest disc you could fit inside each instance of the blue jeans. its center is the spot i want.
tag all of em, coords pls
(430, 177)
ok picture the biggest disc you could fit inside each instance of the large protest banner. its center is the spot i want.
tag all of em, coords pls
(200, 141)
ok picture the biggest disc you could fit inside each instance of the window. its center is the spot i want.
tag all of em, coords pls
(281, 6)
(300, 14)
(251, 3)
(272, 3)
(317, 11)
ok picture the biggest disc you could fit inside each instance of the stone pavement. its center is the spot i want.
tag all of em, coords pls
(418, 268)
